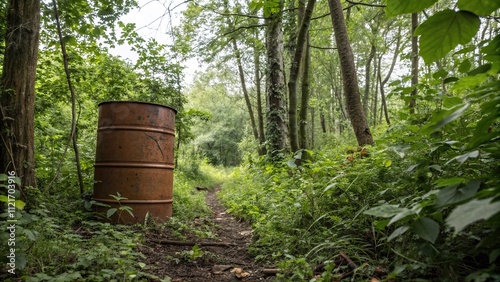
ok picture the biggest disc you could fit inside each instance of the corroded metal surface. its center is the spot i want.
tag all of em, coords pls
(135, 158)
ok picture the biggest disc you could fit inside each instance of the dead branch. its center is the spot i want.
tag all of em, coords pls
(364, 4)
(191, 243)
(350, 263)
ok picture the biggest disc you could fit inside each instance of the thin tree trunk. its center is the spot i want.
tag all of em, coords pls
(382, 95)
(276, 127)
(304, 103)
(73, 136)
(322, 121)
(17, 101)
(376, 71)
(388, 76)
(414, 61)
(294, 74)
(368, 67)
(350, 80)
(260, 117)
(244, 89)
(241, 73)
(313, 112)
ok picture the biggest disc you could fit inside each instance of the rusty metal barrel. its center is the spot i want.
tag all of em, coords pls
(135, 159)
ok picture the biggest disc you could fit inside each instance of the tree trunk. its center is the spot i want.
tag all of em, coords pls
(322, 121)
(368, 66)
(237, 55)
(276, 127)
(244, 89)
(294, 74)
(414, 61)
(304, 103)
(260, 119)
(376, 72)
(17, 101)
(350, 80)
(388, 76)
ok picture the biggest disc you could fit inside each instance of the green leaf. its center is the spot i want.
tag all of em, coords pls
(451, 194)
(449, 181)
(450, 102)
(450, 80)
(381, 224)
(401, 215)
(388, 163)
(426, 228)
(440, 74)
(399, 7)
(110, 212)
(443, 31)
(479, 7)
(462, 158)
(3, 177)
(492, 50)
(494, 255)
(464, 66)
(30, 234)
(443, 118)
(398, 232)
(20, 204)
(385, 210)
(471, 212)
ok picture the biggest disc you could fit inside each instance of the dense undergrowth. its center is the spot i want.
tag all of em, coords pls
(57, 239)
(403, 209)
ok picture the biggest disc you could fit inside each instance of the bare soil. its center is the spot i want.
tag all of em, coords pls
(206, 263)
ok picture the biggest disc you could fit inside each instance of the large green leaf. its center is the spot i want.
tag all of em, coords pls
(451, 194)
(479, 7)
(471, 212)
(399, 7)
(385, 210)
(443, 31)
(398, 232)
(443, 118)
(427, 229)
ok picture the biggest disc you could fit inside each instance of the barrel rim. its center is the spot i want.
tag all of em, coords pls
(137, 102)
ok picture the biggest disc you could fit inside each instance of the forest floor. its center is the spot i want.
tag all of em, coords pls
(223, 258)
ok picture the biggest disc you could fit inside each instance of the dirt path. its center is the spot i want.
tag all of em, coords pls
(206, 263)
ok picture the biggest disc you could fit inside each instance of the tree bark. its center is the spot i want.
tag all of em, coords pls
(241, 73)
(260, 119)
(368, 67)
(244, 89)
(294, 74)
(350, 80)
(276, 127)
(17, 101)
(414, 61)
(388, 76)
(304, 103)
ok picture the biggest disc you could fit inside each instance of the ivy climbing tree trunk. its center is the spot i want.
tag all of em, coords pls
(17, 101)
(294, 74)
(276, 126)
(350, 80)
